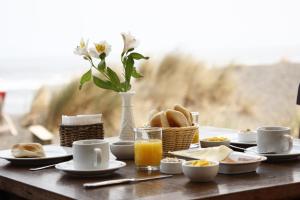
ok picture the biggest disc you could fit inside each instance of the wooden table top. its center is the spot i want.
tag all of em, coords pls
(272, 181)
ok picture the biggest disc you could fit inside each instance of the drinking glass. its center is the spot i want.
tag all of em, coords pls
(148, 148)
(195, 119)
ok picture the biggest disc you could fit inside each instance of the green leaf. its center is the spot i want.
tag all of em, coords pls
(102, 56)
(128, 68)
(102, 65)
(129, 50)
(123, 61)
(126, 52)
(85, 78)
(138, 56)
(136, 74)
(128, 87)
(104, 84)
(113, 77)
(125, 86)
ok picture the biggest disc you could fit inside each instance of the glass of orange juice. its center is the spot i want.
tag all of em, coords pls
(195, 118)
(148, 148)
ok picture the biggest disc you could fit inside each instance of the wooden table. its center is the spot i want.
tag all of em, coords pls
(272, 181)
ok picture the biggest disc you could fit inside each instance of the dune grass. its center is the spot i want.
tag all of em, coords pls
(176, 79)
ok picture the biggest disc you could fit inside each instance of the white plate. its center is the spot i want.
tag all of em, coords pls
(54, 154)
(293, 154)
(68, 168)
(237, 142)
(233, 168)
(245, 163)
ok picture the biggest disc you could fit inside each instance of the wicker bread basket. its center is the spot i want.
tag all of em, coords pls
(177, 138)
(70, 133)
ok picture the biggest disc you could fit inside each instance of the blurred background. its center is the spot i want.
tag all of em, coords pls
(235, 62)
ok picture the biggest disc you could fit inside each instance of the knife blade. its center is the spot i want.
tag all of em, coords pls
(123, 180)
(40, 168)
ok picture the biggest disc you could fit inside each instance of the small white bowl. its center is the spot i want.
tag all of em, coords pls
(171, 167)
(123, 150)
(247, 136)
(200, 174)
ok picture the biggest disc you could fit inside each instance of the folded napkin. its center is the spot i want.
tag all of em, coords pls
(210, 153)
(81, 119)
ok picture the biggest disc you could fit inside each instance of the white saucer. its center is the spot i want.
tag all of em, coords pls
(237, 142)
(54, 154)
(293, 154)
(68, 168)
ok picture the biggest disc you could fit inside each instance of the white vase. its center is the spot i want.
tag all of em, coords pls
(127, 121)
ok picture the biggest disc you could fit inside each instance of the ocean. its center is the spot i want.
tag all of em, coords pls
(21, 78)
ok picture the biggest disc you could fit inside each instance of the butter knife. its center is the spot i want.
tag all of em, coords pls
(123, 180)
(40, 168)
(245, 149)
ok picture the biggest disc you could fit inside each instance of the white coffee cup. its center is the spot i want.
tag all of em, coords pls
(274, 139)
(90, 154)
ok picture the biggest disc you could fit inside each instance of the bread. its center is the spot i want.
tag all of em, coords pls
(185, 112)
(28, 150)
(151, 114)
(176, 119)
(179, 117)
(155, 120)
(164, 120)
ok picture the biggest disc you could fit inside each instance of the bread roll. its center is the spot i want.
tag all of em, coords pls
(155, 120)
(163, 119)
(28, 150)
(151, 114)
(186, 113)
(176, 119)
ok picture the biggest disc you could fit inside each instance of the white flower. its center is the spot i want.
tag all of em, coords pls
(129, 41)
(81, 49)
(99, 48)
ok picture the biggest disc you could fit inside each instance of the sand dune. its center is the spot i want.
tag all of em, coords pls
(232, 96)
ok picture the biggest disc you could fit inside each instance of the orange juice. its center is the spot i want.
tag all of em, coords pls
(148, 152)
(196, 137)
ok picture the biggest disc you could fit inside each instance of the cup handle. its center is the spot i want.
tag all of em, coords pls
(98, 157)
(290, 141)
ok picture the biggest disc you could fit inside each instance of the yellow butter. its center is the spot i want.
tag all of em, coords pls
(216, 139)
(200, 163)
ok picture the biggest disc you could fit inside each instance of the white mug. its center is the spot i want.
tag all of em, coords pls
(90, 154)
(275, 139)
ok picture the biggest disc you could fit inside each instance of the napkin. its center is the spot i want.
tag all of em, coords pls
(81, 119)
(210, 153)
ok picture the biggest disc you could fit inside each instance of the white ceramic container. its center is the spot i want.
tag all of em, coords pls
(127, 120)
(274, 139)
(200, 174)
(167, 167)
(123, 150)
(247, 136)
(90, 154)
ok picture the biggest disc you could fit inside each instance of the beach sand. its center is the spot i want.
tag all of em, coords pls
(7, 140)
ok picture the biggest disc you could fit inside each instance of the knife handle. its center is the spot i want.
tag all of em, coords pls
(105, 183)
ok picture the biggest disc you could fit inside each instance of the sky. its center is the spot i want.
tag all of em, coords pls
(218, 31)
(37, 37)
